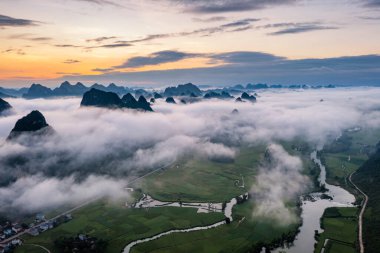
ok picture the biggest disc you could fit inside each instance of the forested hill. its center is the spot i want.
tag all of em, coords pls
(368, 179)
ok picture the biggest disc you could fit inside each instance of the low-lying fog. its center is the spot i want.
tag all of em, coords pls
(103, 147)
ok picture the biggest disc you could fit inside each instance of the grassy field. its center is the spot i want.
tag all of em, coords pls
(339, 167)
(31, 249)
(336, 247)
(340, 226)
(204, 180)
(119, 225)
(239, 236)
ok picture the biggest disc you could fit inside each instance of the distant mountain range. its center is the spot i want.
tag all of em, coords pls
(8, 92)
(3, 95)
(67, 89)
(189, 89)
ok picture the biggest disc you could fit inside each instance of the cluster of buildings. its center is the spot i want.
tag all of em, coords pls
(8, 247)
(9, 232)
(43, 224)
(9, 229)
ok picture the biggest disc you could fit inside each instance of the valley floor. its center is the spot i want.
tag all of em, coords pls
(186, 181)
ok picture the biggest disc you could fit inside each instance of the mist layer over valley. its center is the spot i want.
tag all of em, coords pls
(95, 152)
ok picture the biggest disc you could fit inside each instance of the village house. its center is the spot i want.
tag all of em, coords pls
(16, 227)
(33, 232)
(40, 217)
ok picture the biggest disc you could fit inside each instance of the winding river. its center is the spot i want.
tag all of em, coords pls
(312, 211)
(149, 202)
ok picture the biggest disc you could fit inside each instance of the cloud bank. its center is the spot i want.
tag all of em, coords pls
(36, 193)
(278, 182)
(116, 145)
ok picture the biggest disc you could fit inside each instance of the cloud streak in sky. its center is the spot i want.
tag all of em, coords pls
(207, 31)
(242, 22)
(6, 21)
(102, 2)
(156, 59)
(101, 39)
(372, 3)
(246, 57)
(18, 51)
(71, 61)
(167, 56)
(219, 6)
(302, 28)
(30, 37)
(239, 25)
(211, 19)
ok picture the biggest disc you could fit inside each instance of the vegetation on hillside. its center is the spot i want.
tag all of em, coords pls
(367, 178)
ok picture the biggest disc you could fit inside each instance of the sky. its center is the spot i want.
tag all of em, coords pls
(166, 42)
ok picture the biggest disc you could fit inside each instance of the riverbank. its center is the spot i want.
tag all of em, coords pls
(313, 209)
